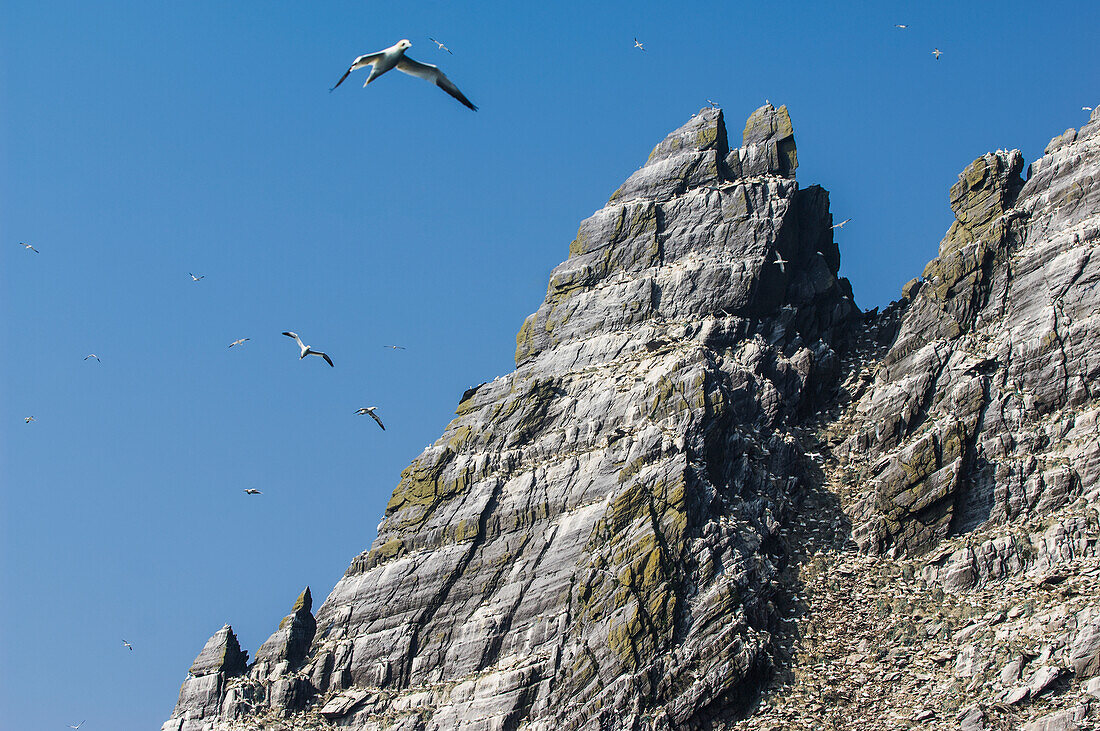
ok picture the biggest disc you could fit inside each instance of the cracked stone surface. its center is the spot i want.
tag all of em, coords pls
(714, 494)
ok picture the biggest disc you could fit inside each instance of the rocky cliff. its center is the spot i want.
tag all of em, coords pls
(714, 493)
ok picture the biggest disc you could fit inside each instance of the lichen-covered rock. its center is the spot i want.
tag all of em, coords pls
(291, 642)
(592, 541)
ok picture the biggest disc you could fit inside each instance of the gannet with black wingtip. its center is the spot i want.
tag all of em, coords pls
(781, 262)
(128, 646)
(937, 53)
(76, 726)
(28, 246)
(639, 45)
(370, 410)
(238, 342)
(28, 419)
(195, 279)
(841, 224)
(306, 350)
(394, 58)
(252, 491)
(441, 46)
(394, 347)
(92, 355)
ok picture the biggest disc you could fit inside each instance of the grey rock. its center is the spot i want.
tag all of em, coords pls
(1070, 719)
(972, 718)
(291, 642)
(221, 654)
(601, 538)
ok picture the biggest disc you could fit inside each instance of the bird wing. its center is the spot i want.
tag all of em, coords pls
(359, 63)
(441, 46)
(325, 356)
(431, 73)
(296, 338)
(375, 417)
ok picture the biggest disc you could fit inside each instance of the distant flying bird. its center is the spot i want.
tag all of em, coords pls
(195, 279)
(781, 262)
(1083, 109)
(394, 57)
(76, 726)
(441, 46)
(937, 53)
(899, 25)
(29, 419)
(370, 410)
(238, 342)
(638, 45)
(252, 491)
(306, 350)
(28, 246)
(841, 224)
(128, 646)
(713, 104)
(394, 347)
(92, 355)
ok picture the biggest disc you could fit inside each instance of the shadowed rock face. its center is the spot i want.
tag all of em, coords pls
(597, 540)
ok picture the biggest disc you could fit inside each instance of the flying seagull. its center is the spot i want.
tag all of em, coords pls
(394, 347)
(370, 410)
(937, 53)
(127, 645)
(76, 726)
(238, 342)
(841, 224)
(92, 355)
(781, 262)
(306, 350)
(441, 46)
(638, 44)
(394, 57)
(28, 246)
(252, 491)
(195, 279)
(29, 419)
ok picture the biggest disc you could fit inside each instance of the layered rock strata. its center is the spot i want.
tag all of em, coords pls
(713, 494)
(592, 541)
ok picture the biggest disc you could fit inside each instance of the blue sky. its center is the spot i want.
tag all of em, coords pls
(140, 141)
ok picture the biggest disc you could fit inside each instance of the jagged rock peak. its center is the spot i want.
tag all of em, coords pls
(290, 643)
(221, 654)
(768, 144)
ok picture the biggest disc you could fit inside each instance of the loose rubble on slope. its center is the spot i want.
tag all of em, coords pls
(713, 494)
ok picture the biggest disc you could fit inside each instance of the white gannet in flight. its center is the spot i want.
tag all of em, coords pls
(781, 262)
(394, 57)
(29, 419)
(76, 726)
(441, 46)
(841, 224)
(92, 355)
(195, 279)
(639, 45)
(127, 645)
(370, 410)
(252, 491)
(306, 350)
(28, 246)
(394, 347)
(1083, 109)
(900, 25)
(238, 342)
(937, 53)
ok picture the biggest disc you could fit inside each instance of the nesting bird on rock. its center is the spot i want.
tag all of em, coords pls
(394, 58)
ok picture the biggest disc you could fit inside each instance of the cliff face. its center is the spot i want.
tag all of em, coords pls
(631, 530)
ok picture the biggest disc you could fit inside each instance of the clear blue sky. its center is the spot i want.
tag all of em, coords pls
(145, 140)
